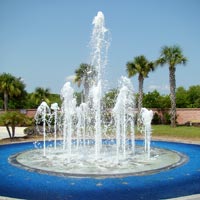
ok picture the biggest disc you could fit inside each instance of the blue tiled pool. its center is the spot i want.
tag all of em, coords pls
(181, 181)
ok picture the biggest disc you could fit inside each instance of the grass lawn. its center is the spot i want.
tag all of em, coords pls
(182, 132)
(164, 132)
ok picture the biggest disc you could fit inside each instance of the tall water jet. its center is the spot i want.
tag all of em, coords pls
(124, 117)
(99, 44)
(68, 110)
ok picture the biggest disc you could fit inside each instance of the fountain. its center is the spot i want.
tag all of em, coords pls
(86, 148)
(111, 166)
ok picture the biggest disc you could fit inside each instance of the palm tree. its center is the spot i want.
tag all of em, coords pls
(13, 119)
(41, 94)
(85, 75)
(10, 86)
(141, 66)
(172, 55)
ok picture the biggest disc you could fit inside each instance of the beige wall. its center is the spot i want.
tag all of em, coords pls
(188, 115)
(184, 115)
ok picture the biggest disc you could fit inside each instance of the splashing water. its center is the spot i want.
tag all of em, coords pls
(41, 115)
(68, 110)
(124, 116)
(146, 118)
(55, 109)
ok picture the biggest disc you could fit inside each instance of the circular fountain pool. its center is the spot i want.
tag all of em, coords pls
(59, 162)
(26, 184)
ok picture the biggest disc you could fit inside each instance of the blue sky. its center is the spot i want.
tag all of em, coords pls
(44, 41)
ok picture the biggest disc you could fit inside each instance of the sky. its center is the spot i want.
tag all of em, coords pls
(45, 41)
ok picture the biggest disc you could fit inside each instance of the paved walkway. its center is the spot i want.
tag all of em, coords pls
(19, 132)
(192, 197)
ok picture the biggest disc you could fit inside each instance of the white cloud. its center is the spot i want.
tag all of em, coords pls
(161, 88)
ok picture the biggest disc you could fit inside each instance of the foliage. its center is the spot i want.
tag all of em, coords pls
(40, 94)
(166, 118)
(11, 87)
(1, 101)
(181, 98)
(13, 119)
(185, 98)
(151, 99)
(85, 75)
(156, 119)
(141, 66)
(155, 100)
(29, 131)
(55, 98)
(171, 55)
(14, 96)
(108, 103)
(18, 102)
(32, 103)
(188, 98)
(109, 98)
(32, 131)
(194, 96)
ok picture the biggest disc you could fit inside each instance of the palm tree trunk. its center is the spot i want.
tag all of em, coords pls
(141, 80)
(13, 131)
(9, 133)
(172, 95)
(5, 101)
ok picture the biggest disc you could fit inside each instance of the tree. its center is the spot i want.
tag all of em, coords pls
(108, 102)
(172, 55)
(155, 100)
(85, 75)
(181, 98)
(40, 94)
(151, 99)
(13, 119)
(141, 66)
(10, 86)
(194, 96)
(109, 98)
